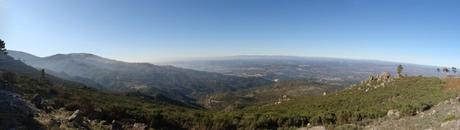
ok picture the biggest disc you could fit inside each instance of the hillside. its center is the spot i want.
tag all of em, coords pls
(444, 115)
(357, 105)
(281, 105)
(180, 84)
(262, 95)
(37, 103)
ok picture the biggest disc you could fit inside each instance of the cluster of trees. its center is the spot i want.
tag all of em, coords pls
(447, 70)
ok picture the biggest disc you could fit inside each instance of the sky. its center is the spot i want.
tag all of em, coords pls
(411, 31)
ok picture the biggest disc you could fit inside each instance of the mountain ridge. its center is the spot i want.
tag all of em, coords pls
(178, 83)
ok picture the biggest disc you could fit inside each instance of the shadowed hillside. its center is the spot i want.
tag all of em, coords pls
(152, 80)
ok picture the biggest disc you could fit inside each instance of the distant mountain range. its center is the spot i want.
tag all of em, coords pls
(326, 70)
(180, 84)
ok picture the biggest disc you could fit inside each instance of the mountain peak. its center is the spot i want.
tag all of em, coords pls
(74, 55)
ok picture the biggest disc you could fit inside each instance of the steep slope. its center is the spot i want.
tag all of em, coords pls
(37, 103)
(177, 83)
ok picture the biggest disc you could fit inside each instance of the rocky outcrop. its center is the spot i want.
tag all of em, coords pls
(380, 78)
(16, 113)
(284, 98)
(443, 116)
(375, 81)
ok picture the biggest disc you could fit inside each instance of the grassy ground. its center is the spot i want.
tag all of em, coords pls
(452, 84)
(408, 95)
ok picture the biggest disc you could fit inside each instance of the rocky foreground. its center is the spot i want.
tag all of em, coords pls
(16, 113)
(21, 114)
(445, 116)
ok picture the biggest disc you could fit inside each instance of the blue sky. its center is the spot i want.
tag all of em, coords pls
(414, 31)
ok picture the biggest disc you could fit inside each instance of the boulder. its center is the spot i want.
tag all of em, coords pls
(384, 76)
(116, 125)
(38, 101)
(75, 116)
(139, 126)
(393, 114)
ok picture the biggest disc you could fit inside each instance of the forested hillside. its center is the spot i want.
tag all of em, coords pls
(180, 84)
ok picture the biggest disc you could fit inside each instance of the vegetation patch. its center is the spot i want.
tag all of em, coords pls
(449, 118)
(408, 95)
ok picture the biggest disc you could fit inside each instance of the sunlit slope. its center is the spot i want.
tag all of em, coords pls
(361, 102)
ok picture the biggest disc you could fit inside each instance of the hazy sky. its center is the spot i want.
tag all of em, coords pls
(416, 31)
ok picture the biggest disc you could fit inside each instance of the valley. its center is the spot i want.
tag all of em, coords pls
(344, 72)
(288, 103)
(229, 65)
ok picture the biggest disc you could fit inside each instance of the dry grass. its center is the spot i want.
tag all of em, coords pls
(452, 84)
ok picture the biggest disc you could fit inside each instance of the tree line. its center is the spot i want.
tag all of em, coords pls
(447, 70)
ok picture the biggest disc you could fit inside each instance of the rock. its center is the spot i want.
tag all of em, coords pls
(38, 101)
(74, 116)
(139, 126)
(116, 125)
(103, 122)
(447, 102)
(457, 99)
(445, 123)
(433, 112)
(450, 125)
(52, 122)
(393, 114)
(318, 128)
(384, 76)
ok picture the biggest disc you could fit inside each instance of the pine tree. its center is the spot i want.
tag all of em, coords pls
(42, 74)
(3, 47)
(399, 70)
(454, 70)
